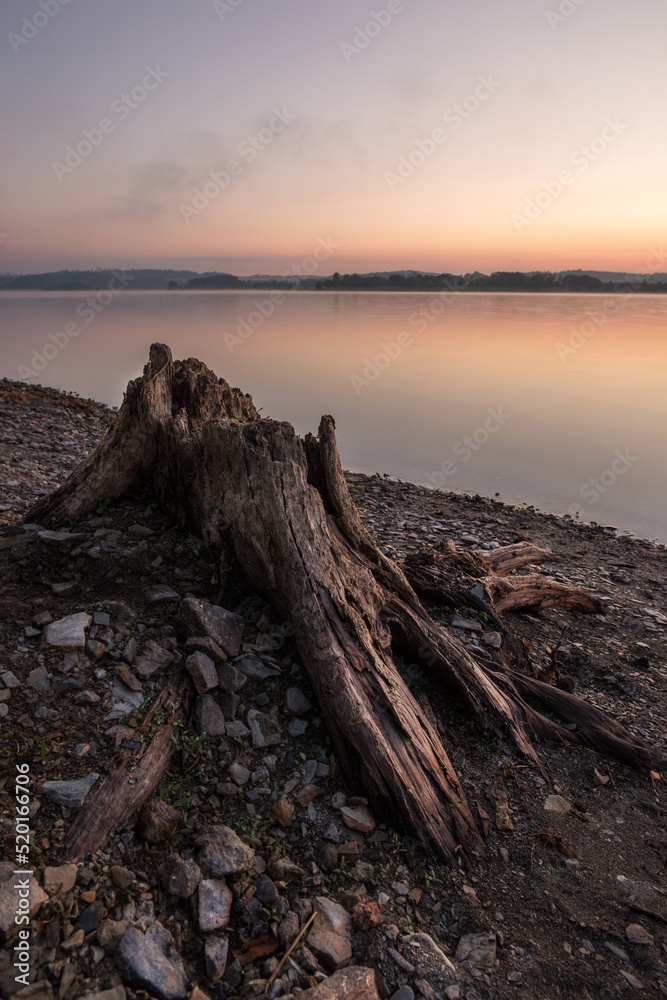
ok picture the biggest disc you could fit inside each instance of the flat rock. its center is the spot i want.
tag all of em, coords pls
(222, 852)
(61, 878)
(181, 878)
(636, 934)
(557, 804)
(70, 794)
(162, 594)
(38, 679)
(358, 818)
(215, 904)
(197, 617)
(329, 937)
(353, 983)
(110, 933)
(236, 728)
(67, 633)
(480, 949)
(149, 961)
(636, 984)
(209, 717)
(8, 898)
(202, 671)
(256, 669)
(465, 623)
(264, 729)
(152, 658)
(61, 538)
(216, 948)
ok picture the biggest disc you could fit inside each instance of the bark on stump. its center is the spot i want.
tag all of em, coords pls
(279, 506)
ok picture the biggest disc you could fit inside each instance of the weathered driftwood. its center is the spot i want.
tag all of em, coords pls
(134, 779)
(279, 506)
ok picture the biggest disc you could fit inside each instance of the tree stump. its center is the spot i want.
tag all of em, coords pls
(278, 506)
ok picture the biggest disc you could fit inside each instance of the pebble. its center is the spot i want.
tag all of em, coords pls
(296, 701)
(222, 852)
(618, 952)
(465, 623)
(157, 821)
(202, 671)
(297, 727)
(401, 962)
(329, 937)
(557, 804)
(636, 934)
(404, 993)
(357, 818)
(38, 679)
(198, 617)
(209, 717)
(632, 980)
(60, 879)
(264, 729)
(122, 877)
(149, 961)
(215, 904)
(216, 948)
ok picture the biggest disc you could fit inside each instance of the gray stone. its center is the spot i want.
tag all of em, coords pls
(209, 717)
(222, 852)
(492, 639)
(404, 993)
(202, 670)
(4, 710)
(265, 890)
(425, 952)
(230, 679)
(258, 670)
(150, 961)
(215, 904)
(197, 617)
(465, 623)
(478, 949)
(216, 948)
(288, 928)
(239, 774)
(65, 589)
(401, 962)
(329, 937)
(557, 804)
(453, 992)
(38, 679)
(636, 984)
(67, 633)
(181, 878)
(152, 659)
(70, 794)
(296, 701)
(615, 950)
(122, 877)
(265, 730)
(297, 727)
(139, 532)
(10, 680)
(237, 728)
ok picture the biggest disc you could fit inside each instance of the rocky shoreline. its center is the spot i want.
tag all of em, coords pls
(260, 844)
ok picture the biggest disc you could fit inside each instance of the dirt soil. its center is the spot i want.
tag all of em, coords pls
(553, 893)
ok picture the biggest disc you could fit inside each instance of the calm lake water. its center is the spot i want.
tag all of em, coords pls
(554, 400)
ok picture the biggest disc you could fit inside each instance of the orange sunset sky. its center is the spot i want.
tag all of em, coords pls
(414, 134)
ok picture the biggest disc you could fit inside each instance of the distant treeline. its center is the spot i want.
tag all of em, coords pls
(147, 279)
(499, 281)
